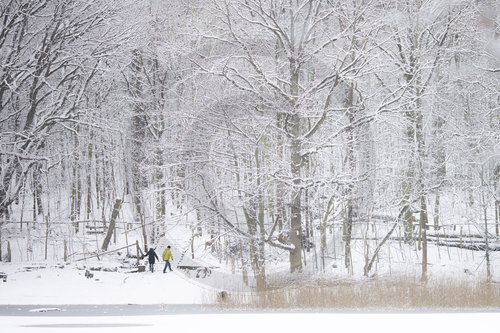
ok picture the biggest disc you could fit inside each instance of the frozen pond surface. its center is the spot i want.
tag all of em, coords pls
(186, 318)
(85, 310)
(110, 310)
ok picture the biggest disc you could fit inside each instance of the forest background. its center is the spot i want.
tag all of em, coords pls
(328, 137)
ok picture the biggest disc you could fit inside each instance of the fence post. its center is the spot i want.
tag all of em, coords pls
(65, 251)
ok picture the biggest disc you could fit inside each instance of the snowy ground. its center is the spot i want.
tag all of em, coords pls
(68, 285)
(44, 285)
(53, 288)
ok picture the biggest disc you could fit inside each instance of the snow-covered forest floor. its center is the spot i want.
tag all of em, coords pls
(451, 271)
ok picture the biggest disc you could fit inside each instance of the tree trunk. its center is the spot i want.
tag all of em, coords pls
(88, 212)
(436, 212)
(160, 183)
(368, 264)
(139, 212)
(486, 235)
(347, 237)
(251, 220)
(1, 226)
(497, 200)
(329, 209)
(497, 217)
(422, 191)
(261, 275)
(4, 208)
(295, 164)
(295, 210)
(351, 167)
(112, 222)
(74, 208)
(65, 251)
(47, 232)
(487, 247)
(423, 228)
(9, 253)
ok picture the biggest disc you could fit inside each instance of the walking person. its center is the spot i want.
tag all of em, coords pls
(151, 258)
(167, 255)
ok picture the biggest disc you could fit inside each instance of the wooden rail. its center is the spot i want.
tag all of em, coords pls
(107, 252)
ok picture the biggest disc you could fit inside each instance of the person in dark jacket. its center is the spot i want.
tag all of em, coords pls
(151, 258)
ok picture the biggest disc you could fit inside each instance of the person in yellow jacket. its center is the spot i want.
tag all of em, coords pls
(167, 255)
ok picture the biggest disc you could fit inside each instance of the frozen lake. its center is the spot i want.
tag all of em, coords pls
(192, 318)
(111, 310)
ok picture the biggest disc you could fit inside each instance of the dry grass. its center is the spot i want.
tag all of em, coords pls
(375, 294)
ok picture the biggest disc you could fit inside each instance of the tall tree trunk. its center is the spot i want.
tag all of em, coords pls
(486, 234)
(496, 190)
(75, 188)
(423, 228)
(140, 213)
(251, 220)
(281, 214)
(261, 275)
(497, 217)
(2, 221)
(160, 183)
(4, 202)
(329, 209)
(351, 167)
(294, 124)
(421, 157)
(47, 232)
(487, 246)
(90, 154)
(295, 210)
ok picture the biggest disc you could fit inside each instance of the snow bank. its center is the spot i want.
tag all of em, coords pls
(68, 285)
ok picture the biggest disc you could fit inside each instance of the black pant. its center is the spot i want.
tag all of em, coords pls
(151, 266)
